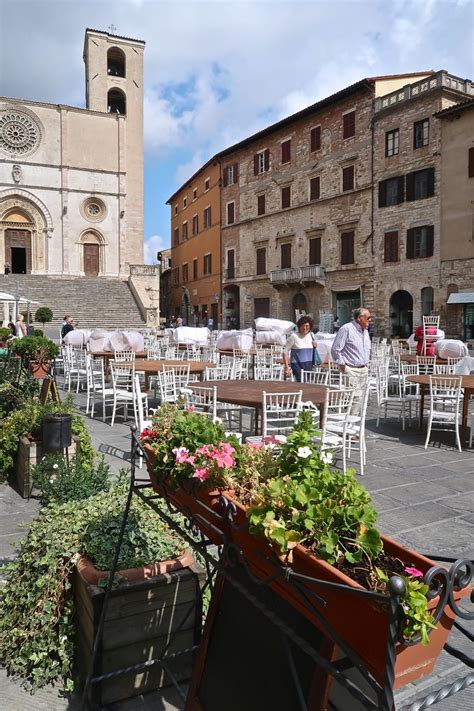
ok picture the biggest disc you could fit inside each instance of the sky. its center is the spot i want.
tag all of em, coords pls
(218, 71)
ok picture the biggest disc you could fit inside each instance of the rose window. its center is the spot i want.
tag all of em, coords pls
(19, 133)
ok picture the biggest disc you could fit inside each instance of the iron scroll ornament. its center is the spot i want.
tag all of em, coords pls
(443, 583)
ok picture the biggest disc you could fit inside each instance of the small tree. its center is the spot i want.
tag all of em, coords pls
(44, 314)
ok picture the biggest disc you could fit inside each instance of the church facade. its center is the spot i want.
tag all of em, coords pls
(71, 179)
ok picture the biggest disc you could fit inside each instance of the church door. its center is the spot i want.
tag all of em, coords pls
(18, 251)
(91, 260)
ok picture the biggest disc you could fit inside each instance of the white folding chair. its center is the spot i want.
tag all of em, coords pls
(445, 397)
(317, 376)
(167, 385)
(444, 369)
(426, 364)
(272, 372)
(428, 338)
(100, 391)
(219, 372)
(124, 356)
(202, 400)
(279, 413)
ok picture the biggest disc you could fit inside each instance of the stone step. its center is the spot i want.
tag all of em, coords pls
(93, 302)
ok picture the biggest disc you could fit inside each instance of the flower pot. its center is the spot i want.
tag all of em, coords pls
(195, 501)
(149, 610)
(39, 369)
(361, 622)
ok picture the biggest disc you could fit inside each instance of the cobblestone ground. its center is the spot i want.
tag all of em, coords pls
(425, 499)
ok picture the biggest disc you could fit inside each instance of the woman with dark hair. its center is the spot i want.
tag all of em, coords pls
(301, 351)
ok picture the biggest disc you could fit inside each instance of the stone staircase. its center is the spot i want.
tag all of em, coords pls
(96, 302)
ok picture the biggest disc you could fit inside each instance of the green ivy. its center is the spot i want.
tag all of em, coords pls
(60, 480)
(36, 603)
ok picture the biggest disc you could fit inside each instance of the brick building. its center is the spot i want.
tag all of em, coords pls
(195, 247)
(339, 205)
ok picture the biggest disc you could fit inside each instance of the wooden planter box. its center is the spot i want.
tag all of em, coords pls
(142, 617)
(28, 455)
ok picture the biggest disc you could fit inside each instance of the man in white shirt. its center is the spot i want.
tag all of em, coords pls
(351, 352)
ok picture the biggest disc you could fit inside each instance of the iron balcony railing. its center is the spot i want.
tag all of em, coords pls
(315, 272)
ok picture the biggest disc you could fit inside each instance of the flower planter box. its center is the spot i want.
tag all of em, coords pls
(39, 369)
(29, 454)
(142, 615)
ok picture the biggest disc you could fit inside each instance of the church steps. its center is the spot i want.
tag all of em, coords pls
(93, 302)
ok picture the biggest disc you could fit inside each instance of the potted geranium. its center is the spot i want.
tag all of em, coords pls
(37, 353)
(289, 508)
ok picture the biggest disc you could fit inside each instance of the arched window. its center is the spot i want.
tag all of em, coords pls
(427, 301)
(115, 62)
(116, 102)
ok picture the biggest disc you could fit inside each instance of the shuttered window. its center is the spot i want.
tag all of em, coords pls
(185, 230)
(471, 163)
(348, 123)
(286, 196)
(347, 247)
(231, 264)
(176, 236)
(261, 162)
(207, 217)
(195, 268)
(286, 256)
(315, 139)
(420, 184)
(391, 191)
(230, 213)
(286, 151)
(261, 261)
(315, 188)
(260, 204)
(195, 224)
(185, 272)
(207, 263)
(315, 250)
(420, 242)
(391, 247)
(231, 174)
(348, 178)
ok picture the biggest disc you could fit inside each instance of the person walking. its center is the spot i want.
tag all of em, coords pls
(351, 352)
(301, 351)
(20, 326)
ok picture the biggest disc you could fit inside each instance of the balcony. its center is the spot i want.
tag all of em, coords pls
(301, 275)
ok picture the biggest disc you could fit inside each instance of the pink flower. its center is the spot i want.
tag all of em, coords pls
(205, 449)
(181, 454)
(256, 445)
(190, 460)
(226, 448)
(201, 474)
(414, 572)
(191, 408)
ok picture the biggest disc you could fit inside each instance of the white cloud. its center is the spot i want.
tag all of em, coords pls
(154, 244)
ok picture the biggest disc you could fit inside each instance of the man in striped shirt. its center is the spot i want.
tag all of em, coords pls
(351, 352)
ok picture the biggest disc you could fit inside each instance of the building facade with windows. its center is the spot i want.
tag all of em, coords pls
(295, 238)
(457, 216)
(408, 174)
(71, 179)
(195, 247)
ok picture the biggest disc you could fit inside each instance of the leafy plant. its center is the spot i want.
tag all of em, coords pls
(60, 480)
(418, 619)
(35, 348)
(44, 314)
(38, 332)
(36, 604)
(5, 334)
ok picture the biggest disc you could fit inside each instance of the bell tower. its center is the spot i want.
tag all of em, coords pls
(114, 84)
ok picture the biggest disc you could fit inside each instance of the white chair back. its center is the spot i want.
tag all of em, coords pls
(317, 376)
(280, 411)
(202, 400)
(219, 372)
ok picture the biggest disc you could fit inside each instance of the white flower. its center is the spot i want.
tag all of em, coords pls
(52, 480)
(55, 466)
(304, 452)
(326, 456)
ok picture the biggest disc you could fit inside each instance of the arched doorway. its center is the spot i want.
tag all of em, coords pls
(300, 306)
(92, 253)
(24, 225)
(231, 307)
(186, 308)
(18, 241)
(401, 314)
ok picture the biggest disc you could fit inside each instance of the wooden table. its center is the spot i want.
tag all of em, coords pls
(151, 367)
(249, 393)
(467, 384)
(230, 351)
(412, 359)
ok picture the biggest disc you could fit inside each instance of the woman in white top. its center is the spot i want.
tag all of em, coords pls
(20, 326)
(299, 349)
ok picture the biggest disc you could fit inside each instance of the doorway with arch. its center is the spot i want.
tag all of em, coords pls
(401, 314)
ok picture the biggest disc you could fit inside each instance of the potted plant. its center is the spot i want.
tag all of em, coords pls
(300, 513)
(44, 314)
(37, 352)
(53, 594)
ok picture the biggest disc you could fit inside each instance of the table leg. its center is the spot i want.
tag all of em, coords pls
(465, 412)
(422, 404)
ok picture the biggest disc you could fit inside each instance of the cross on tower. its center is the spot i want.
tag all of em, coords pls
(112, 28)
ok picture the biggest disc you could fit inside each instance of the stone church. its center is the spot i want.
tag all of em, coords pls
(71, 179)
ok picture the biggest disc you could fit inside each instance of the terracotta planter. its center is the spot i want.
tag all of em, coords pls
(39, 369)
(92, 576)
(351, 617)
(196, 501)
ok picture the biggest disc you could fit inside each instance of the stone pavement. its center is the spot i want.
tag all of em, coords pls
(425, 499)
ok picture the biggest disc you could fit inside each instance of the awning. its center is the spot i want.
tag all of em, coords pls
(10, 297)
(463, 297)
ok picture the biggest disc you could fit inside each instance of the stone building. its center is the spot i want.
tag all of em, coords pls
(164, 257)
(71, 179)
(456, 283)
(412, 161)
(195, 247)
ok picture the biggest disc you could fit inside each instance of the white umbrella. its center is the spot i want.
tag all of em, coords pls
(10, 297)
